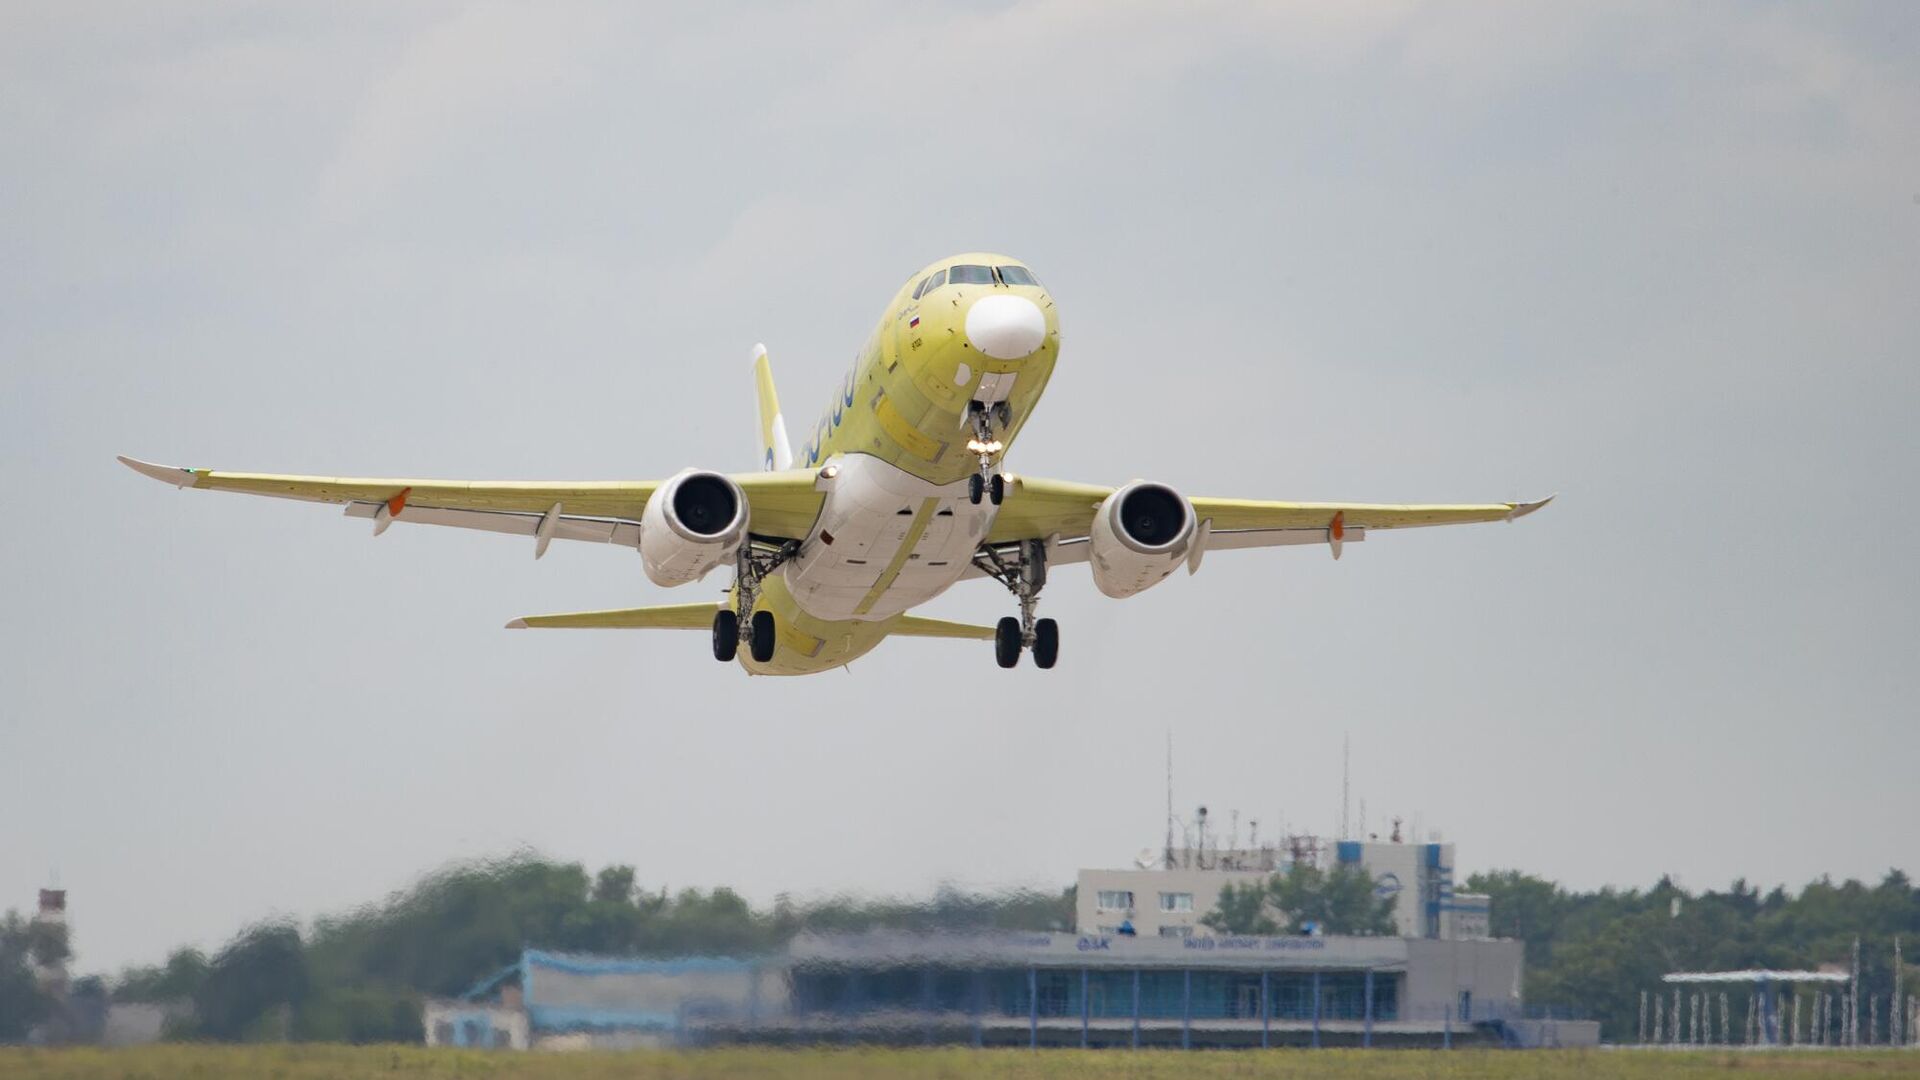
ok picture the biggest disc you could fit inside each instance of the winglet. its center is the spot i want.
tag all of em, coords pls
(517, 624)
(166, 474)
(1520, 510)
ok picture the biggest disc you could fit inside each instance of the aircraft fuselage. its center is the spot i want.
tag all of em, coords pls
(897, 527)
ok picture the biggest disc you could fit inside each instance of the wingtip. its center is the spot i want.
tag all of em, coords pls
(517, 624)
(759, 352)
(166, 474)
(1521, 510)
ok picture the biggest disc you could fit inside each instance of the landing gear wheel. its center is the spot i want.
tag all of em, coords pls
(1046, 643)
(976, 487)
(760, 644)
(726, 636)
(1006, 642)
(997, 488)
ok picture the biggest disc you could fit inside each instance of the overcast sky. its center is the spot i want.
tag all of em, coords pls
(1663, 261)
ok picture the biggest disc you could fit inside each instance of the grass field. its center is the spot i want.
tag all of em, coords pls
(342, 1062)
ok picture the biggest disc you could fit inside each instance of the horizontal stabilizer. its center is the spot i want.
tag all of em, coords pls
(915, 626)
(666, 617)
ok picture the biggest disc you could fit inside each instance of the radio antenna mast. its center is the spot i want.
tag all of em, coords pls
(1346, 753)
(1167, 855)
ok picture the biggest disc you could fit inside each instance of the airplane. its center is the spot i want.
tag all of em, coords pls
(898, 494)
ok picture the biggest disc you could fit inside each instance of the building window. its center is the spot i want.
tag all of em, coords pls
(1176, 931)
(1115, 900)
(1176, 901)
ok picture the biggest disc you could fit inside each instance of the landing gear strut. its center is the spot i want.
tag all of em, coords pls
(986, 446)
(742, 623)
(1022, 568)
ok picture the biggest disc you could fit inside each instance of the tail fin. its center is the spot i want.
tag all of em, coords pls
(776, 453)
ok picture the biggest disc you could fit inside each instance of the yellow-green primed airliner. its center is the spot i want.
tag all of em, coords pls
(897, 494)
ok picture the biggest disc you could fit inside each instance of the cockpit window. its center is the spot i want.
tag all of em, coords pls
(938, 279)
(970, 275)
(920, 288)
(1017, 275)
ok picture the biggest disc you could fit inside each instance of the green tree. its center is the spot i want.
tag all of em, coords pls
(178, 979)
(1338, 901)
(1242, 909)
(614, 885)
(254, 985)
(22, 1005)
(1523, 907)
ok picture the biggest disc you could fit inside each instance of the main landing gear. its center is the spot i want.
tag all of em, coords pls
(1022, 568)
(986, 446)
(741, 623)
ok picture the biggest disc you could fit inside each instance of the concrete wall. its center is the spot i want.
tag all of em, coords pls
(1439, 971)
(475, 1024)
(1146, 886)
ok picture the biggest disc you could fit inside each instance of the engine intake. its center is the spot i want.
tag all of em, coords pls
(694, 522)
(1140, 533)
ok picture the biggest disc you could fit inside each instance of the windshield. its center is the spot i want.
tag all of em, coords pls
(970, 275)
(1017, 275)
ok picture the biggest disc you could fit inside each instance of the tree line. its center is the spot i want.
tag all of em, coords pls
(361, 976)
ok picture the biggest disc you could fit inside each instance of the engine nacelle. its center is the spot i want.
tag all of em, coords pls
(694, 522)
(1140, 533)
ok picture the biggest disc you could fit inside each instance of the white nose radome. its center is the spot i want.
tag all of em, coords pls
(1006, 327)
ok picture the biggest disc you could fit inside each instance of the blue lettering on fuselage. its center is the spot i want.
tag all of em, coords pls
(835, 415)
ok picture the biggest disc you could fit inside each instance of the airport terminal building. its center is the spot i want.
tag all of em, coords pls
(1142, 970)
(1006, 989)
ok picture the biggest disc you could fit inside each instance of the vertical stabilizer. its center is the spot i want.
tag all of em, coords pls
(775, 451)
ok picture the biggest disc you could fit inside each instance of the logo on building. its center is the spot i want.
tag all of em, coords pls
(1387, 885)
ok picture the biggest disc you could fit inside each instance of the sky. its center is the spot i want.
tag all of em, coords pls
(1659, 259)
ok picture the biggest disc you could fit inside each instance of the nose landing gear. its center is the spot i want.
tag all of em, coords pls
(986, 446)
(1022, 568)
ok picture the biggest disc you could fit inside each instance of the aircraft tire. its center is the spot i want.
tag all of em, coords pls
(726, 635)
(997, 490)
(761, 642)
(1006, 642)
(1046, 643)
(976, 487)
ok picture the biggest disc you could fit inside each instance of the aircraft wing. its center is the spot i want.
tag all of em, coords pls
(698, 616)
(781, 504)
(1061, 512)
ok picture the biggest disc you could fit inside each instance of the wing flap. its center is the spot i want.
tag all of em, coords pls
(595, 530)
(664, 617)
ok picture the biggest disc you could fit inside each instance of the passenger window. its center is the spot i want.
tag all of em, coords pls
(938, 279)
(920, 288)
(1017, 275)
(970, 275)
